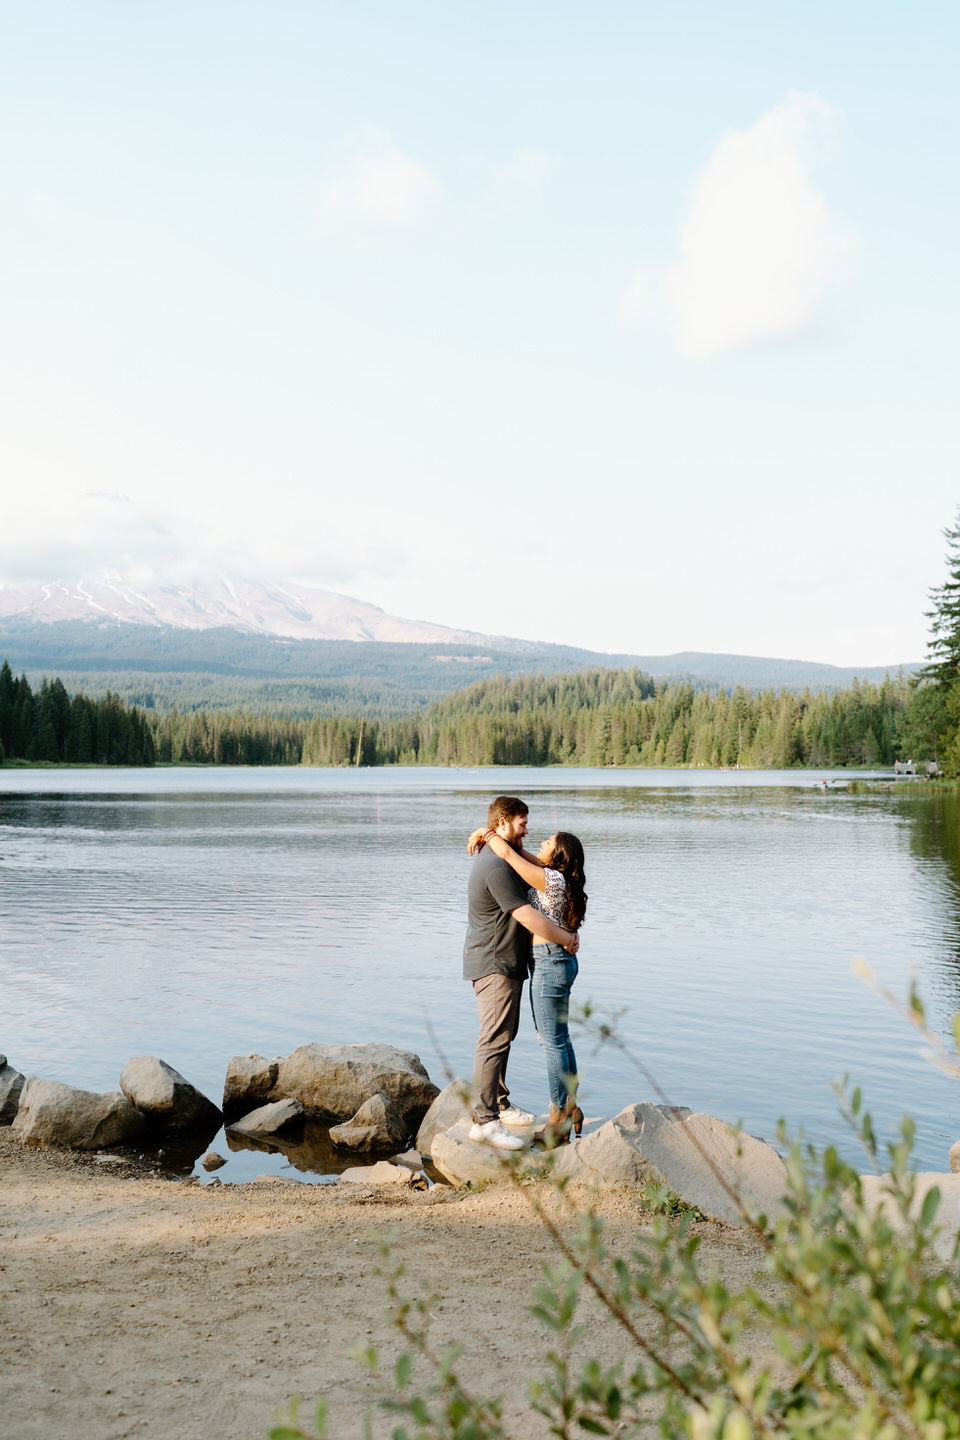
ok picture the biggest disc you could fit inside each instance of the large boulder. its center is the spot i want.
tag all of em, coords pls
(702, 1160)
(162, 1095)
(613, 1151)
(566, 1163)
(459, 1158)
(270, 1119)
(874, 1188)
(333, 1081)
(251, 1080)
(11, 1085)
(56, 1115)
(452, 1104)
(377, 1125)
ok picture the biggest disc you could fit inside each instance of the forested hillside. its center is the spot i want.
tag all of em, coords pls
(161, 668)
(618, 717)
(594, 718)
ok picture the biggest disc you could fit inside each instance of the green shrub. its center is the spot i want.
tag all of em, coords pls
(862, 1314)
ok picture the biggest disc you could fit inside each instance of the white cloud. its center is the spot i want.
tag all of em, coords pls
(377, 184)
(526, 169)
(91, 534)
(83, 534)
(760, 250)
(637, 299)
(43, 208)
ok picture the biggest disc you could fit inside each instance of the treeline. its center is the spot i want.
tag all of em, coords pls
(236, 737)
(619, 717)
(48, 725)
(592, 718)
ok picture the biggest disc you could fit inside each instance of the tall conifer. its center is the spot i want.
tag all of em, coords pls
(943, 665)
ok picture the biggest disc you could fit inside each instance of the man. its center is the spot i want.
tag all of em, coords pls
(496, 959)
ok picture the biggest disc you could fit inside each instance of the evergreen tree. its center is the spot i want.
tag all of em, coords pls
(84, 737)
(23, 728)
(8, 695)
(943, 664)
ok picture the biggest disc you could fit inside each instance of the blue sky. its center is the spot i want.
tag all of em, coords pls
(621, 325)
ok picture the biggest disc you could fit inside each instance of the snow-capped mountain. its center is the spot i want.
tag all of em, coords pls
(298, 612)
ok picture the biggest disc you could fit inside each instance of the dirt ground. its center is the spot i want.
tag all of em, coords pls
(133, 1305)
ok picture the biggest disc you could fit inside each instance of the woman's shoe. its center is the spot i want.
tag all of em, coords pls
(557, 1129)
(573, 1115)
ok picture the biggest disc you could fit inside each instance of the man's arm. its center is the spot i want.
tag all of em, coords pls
(476, 842)
(537, 923)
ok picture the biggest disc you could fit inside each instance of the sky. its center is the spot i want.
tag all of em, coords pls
(619, 325)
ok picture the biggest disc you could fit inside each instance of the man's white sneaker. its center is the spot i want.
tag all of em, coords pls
(513, 1115)
(491, 1132)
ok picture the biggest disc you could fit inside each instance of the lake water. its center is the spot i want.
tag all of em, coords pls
(199, 914)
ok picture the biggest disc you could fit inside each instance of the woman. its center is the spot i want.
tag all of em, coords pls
(556, 879)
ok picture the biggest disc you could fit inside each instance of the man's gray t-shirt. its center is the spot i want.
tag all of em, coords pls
(495, 943)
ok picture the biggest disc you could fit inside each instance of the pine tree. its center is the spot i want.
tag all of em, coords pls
(84, 737)
(7, 706)
(943, 664)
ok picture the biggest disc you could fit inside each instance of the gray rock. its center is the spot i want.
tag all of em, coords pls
(11, 1086)
(955, 1157)
(452, 1104)
(164, 1097)
(567, 1163)
(412, 1159)
(673, 1146)
(611, 1148)
(459, 1158)
(213, 1161)
(383, 1173)
(674, 1112)
(333, 1081)
(948, 1211)
(277, 1180)
(377, 1125)
(613, 1152)
(56, 1115)
(270, 1119)
(696, 1155)
(250, 1081)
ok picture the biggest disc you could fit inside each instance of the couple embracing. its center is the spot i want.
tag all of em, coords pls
(524, 917)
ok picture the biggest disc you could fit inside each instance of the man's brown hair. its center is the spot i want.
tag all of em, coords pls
(504, 808)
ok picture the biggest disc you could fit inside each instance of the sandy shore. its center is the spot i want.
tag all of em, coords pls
(136, 1305)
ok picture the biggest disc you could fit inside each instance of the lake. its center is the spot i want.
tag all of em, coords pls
(196, 914)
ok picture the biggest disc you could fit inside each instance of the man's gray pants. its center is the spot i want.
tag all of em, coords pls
(498, 1000)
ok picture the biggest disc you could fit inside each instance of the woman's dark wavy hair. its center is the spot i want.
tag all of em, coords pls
(567, 857)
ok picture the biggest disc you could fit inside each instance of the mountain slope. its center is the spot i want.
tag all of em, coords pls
(301, 649)
(296, 612)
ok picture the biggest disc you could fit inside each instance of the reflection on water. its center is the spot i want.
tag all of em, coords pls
(310, 1151)
(934, 830)
(195, 924)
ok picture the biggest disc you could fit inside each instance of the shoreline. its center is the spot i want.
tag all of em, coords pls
(835, 770)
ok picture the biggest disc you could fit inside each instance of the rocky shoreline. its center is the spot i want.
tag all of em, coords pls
(382, 1103)
(378, 1103)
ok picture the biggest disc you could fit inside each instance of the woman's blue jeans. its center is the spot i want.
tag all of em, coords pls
(554, 971)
